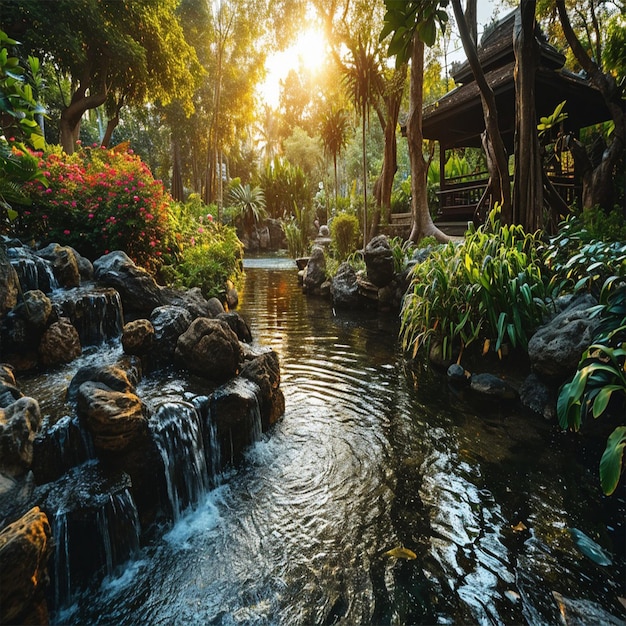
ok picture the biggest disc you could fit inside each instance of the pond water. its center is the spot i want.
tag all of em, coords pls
(371, 455)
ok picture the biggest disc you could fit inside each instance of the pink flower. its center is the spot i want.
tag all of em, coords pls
(153, 243)
(136, 198)
(66, 232)
(90, 216)
(209, 217)
(48, 190)
(200, 230)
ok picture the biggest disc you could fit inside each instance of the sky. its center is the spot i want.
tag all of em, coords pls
(309, 48)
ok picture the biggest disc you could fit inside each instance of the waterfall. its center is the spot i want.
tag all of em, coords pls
(94, 529)
(177, 430)
(212, 448)
(33, 271)
(96, 313)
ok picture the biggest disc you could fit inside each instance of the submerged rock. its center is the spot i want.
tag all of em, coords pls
(492, 386)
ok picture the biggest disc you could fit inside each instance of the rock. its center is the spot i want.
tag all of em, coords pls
(59, 344)
(25, 547)
(277, 235)
(210, 349)
(9, 286)
(35, 309)
(492, 386)
(19, 424)
(138, 290)
(9, 391)
(536, 395)
(215, 307)
(264, 237)
(555, 349)
(238, 325)
(232, 297)
(458, 374)
(85, 266)
(113, 376)
(368, 290)
(33, 272)
(344, 288)
(117, 420)
(190, 299)
(138, 337)
(264, 371)
(64, 264)
(379, 261)
(315, 271)
(324, 231)
(234, 408)
(578, 612)
(169, 323)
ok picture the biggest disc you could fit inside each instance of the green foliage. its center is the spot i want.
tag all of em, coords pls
(402, 251)
(248, 204)
(344, 234)
(296, 230)
(19, 86)
(284, 186)
(588, 249)
(209, 254)
(492, 286)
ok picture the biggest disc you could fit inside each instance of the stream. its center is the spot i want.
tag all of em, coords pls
(374, 454)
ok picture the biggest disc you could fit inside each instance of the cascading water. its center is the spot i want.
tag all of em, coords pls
(33, 271)
(95, 312)
(177, 431)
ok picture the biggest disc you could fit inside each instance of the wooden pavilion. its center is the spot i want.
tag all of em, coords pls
(456, 120)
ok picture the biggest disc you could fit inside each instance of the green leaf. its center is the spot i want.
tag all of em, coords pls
(611, 461)
(602, 399)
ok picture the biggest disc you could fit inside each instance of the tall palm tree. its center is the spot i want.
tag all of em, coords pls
(334, 130)
(363, 79)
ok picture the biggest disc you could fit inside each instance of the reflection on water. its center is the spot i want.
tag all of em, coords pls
(371, 455)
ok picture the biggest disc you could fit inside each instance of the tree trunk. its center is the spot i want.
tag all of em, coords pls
(364, 114)
(471, 17)
(501, 183)
(598, 184)
(177, 177)
(422, 223)
(528, 189)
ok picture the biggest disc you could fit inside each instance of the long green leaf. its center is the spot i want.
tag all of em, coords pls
(611, 461)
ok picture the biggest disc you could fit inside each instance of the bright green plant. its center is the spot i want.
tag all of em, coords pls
(491, 286)
(284, 186)
(248, 204)
(401, 251)
(296, 230)
(344, 234)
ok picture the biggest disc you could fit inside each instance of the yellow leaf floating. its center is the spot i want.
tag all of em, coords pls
(401, 553)
(520, 527)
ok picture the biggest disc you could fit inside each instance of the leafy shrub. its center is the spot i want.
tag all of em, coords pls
(344, 232)
(402, 251)
(284, 185)
(100, 200)
(296, 230)
(491, 286)
(600, 378)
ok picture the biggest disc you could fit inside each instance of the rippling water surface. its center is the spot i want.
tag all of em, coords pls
(371, 455)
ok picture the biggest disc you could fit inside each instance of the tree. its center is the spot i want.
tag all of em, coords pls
(598, 188)
(364, 82)
(335, 131)
(411, 24)
(107, 47)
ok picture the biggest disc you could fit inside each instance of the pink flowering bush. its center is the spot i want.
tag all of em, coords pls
(100, 200)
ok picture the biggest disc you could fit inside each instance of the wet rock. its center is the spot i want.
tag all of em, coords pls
(138, 337)
(457, 374)
(277, 235)
(9, 286)
(315, 271)
(379, 261)
(25, 547)
(138, 290)
(492, 386)
(210, 349)
(35, 309)
(264, 371)
(113, 376)
(238, 325)
(190, 299)
(60, 343)
(33, 271)
(64, 264)
(232, 297)
(169, 323)
(9, 391)
(85, 266)
(367, 289)
(234, 408)
(538, 396)
(583, 612)
(555, 349)
(19, 424)
(344, 288)
(117, 420)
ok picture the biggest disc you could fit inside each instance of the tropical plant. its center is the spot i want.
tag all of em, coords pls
(344, 232)
(600, 378)
(402, 251)
(335, 130)
(491, 286)
(249, 205)
(285, 186)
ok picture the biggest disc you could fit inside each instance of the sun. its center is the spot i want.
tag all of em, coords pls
(308, 52)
